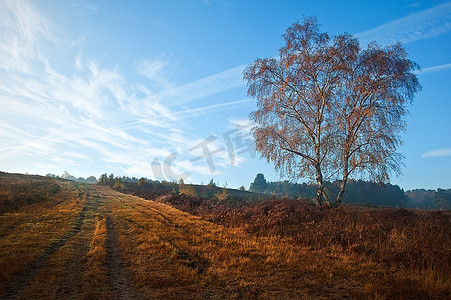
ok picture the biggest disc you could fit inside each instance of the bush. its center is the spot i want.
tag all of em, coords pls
(223, 195)
(187, 190)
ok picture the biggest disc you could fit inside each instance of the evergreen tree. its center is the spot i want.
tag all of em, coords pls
(442, 198)
(259, 185)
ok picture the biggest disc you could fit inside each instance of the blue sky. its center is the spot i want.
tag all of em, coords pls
(154, 88)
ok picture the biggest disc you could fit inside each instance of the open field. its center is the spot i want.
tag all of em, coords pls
(91, 242)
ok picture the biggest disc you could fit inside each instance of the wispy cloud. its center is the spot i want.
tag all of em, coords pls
(434, 69)
(93, 113)
(209, 85)
(55, 116)
(155, 71)
(21, 29)
(188, 113)
(419, 26)
(437, 153)
(92, 8)
(245, 123)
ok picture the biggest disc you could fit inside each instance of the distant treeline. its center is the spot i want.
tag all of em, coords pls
(67, 176)
(421, 198)
(357, 191)
(111, 180)
(360, 192)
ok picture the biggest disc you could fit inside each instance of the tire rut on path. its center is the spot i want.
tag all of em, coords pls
(122, 285)
(16, 289)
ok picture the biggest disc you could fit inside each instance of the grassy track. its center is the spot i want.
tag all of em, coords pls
(90, 242)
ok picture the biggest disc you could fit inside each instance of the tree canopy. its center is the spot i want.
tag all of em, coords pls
(259, 184)
(329, 109)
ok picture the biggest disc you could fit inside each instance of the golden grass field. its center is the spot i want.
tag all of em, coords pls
(89, 242)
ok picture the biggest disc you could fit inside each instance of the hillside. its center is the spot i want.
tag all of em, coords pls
(88, 241)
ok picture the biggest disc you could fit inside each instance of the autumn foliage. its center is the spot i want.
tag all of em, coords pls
(329, 109)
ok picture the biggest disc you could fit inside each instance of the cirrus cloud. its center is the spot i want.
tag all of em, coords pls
(437, 153)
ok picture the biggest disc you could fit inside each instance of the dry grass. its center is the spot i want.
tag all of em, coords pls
(270, 252)
(17, 191)
(175, 255)
(399, 238)
(411, 248)
(96, 279)
(72, 265)
(27, 230)
(63, 273)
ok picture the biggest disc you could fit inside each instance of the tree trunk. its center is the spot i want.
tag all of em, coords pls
(320, 192)
(319, 188)
(326, 197)
(344, 180)
(341, 192)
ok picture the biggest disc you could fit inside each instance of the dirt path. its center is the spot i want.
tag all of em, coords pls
(60, 271)
(16, 289)
(172, 254)
(61, 267)
(122, 286)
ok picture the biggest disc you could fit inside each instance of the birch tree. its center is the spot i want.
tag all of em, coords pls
(329, 110)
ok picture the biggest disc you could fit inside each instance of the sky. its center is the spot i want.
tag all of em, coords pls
(154, 88)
